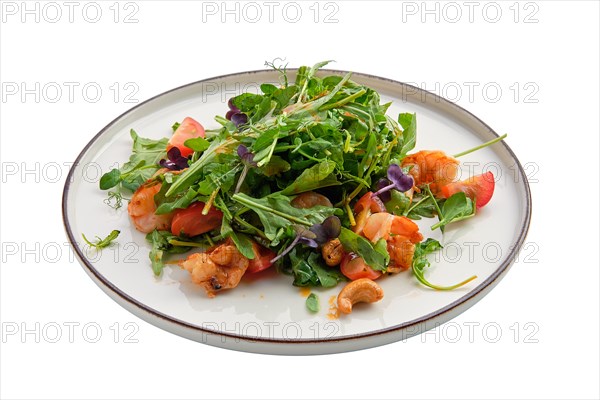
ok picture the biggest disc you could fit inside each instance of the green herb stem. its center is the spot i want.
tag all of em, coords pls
(437, 207)
(252, 204)
(249, 226)
(481, 146)
(343, 101)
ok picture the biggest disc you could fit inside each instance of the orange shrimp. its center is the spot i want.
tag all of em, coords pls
(401, 250)
(142, 209)
(432, 167)
(221, 267)
(381, 225)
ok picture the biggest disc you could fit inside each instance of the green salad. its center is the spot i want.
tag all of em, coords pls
(310, 177)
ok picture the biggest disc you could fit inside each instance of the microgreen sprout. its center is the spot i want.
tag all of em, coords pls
(175, 161)
(235, 115)
(399, 180)
(247, 158)
(316, 235)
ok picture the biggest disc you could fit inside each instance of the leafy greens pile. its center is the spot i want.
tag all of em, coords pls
(328, 134)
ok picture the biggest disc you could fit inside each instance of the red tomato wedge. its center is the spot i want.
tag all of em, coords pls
(262, 258)
(190, 221)
(354, 267)
(189, 129)
(479, 188)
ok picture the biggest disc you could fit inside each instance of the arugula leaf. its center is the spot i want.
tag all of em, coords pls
(160, 245)
(143, 162)
(181, 202)
(317, 176)
(217, 176)
(370, 153)
(188, 178)
(312, 303)
(156, 253)
(409, 135)
(456, 208)
(102, 243)
(241, 241)
(276, 213)
(376, 257)
(420, 262)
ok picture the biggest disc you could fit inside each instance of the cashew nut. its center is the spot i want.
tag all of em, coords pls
(333, 252)
(361, 290)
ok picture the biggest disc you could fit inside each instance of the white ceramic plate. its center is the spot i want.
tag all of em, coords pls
(269, 315)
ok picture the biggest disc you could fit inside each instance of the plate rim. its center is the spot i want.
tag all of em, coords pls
(463, 300)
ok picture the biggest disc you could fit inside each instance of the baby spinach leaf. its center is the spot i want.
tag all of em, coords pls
(456, 208)
(312, 303)
(398, 204)
(376, 257)
(308, 269)
(327, 277)
(110, 179)
(197, 144)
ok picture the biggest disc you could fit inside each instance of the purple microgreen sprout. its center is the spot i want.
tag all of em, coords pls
(175, 161)
(235, 115)
(315, 236)
(382, 183)
(399, 180)
(239, 119)
(247, 158)
(329, 229)
(303, 236)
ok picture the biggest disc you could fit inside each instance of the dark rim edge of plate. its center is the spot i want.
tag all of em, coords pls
(498, 273)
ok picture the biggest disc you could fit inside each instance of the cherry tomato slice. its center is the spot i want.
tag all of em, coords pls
(189, 129)
(354, 267)
(262, 258)
(479, 188)
(190, 221)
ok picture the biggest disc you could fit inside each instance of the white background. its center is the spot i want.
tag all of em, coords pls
(552, 123)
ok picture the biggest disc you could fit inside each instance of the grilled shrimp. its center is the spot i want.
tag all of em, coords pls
(433, 167)
(141, 209)
(401, 251)
(217, 269)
